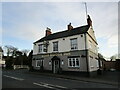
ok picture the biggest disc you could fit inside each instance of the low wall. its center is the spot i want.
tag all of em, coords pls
(20, 66)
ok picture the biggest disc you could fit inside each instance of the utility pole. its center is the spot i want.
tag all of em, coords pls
(87, 62)
(86, 9)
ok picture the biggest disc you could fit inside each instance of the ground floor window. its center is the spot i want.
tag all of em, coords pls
(73, 62)
(39, 63)
(97, 64)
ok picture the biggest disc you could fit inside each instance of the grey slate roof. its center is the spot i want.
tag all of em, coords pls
(66, 33)
(1, 49)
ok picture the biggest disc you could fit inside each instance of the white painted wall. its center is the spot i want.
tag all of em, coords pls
(63, 45)
(91, 45)
(93, 64)
(93, 50)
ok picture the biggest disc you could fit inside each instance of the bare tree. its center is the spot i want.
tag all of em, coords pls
(25, 51)
(114, 57)
(11, 50)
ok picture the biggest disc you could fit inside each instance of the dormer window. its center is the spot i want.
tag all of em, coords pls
(74, 45)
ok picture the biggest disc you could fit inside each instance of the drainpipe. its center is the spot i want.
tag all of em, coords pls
(87, 63)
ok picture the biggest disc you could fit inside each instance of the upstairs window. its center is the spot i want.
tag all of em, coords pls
(40, 48)
(74, 45)
(55, 46)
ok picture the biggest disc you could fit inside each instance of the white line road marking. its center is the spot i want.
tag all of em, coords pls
(56, 87)
(43, 85)
(63, 79)
(20, 79)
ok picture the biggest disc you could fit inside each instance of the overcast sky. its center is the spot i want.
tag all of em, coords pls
(25, 22)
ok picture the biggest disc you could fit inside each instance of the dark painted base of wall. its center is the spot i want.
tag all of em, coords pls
(93, 74)
(75, 73)
(72, 73)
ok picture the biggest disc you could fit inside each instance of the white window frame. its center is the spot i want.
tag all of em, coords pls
(40, 61)
(54, 50)
(37, 63)
(73, 59)
(74, 46)
(40, 48)
(97, 63)
(101, 64)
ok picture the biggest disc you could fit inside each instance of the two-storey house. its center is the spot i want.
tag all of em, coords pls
(71, 50)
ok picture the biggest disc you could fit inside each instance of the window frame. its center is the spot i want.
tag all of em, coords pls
(40, 48)
(37, 63)
(40, 62)
(73, 61)
(55, 46)
(74, 44)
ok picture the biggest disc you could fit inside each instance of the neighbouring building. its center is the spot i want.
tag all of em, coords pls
(108, 65)
(71, 50)
(2, 62)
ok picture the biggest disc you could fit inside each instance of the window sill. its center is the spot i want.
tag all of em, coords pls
(74, 67)
(55, 51)
(73, 49)
(37, 66)
(42, 52)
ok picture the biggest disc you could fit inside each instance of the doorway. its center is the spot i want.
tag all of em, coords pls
(55, 64)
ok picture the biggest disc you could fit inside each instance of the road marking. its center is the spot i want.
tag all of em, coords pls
(56, 87)
(43, 85)
(20, 79)
(63, 79)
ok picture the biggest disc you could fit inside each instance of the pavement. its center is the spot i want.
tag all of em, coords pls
(107, 77)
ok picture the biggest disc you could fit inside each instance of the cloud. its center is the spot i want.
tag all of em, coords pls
(28, 21)
(21, 23)
(113, 41)
(59, 0)
(25, 32)
(105, 24)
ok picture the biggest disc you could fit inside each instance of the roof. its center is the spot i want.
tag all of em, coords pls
(1, 49)
(66, 33)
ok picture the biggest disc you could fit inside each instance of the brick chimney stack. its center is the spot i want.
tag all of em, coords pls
(48, 31)
(89, 21)
(70, 27)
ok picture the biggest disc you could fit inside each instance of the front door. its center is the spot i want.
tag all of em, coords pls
(55, 66)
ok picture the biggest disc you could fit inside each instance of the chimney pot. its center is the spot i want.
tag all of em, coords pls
(48, 31)
(70, 27)
(89, 21)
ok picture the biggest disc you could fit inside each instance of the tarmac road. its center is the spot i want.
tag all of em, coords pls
(20, 79)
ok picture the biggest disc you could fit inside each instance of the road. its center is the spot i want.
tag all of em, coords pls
(21, 79)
